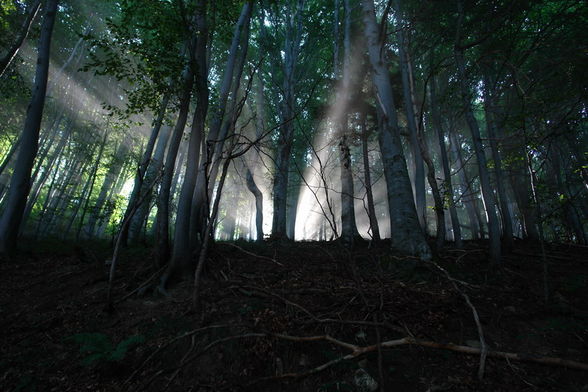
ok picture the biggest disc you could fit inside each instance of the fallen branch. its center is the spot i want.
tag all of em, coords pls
(357, 351)
(483, 346)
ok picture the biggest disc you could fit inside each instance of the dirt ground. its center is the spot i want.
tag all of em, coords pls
(295, 317)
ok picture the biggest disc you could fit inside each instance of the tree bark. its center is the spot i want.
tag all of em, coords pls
(20, 182)
(348, 225)
(407, 234)
(407, 90)
(163, 200)
(181, 255)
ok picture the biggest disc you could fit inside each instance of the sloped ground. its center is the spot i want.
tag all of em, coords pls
(261, 302)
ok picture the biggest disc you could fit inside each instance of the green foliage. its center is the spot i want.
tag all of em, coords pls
(99, 348)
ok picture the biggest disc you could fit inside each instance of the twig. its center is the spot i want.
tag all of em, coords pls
(162, 347)
(483, 346)
(254, 255)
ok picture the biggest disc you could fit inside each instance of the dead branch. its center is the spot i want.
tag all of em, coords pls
(357, 351)
(483, 346)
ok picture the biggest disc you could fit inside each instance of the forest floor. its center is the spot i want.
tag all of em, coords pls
(262, 302)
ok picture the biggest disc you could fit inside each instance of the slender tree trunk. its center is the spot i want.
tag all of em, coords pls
(93, 175)
(467, 194)
(181, 256)
(114, 170)
(219, 128)
(438, 200)
(436, 117)
(9, 155)
(253, 188)
(35, 192)
(487, 192)
(20, 182)
(135, 227)
(419, 168)
(286, 134)
(407, 234)
(374, 226)
(22, 35)
(348, 225)
(163, 201)
(141, 173)
(507, 234)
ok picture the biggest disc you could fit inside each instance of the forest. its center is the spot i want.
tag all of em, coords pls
(294, 195)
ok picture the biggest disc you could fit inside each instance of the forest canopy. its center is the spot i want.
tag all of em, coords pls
(308, 120)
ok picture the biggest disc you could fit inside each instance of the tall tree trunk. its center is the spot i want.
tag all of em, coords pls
(507, 234)
(286, 134)
(436, 117)
(219, 128)
(20, 182)
(348, 225)
(407, 234)
(409, 103)
(163, 200)
(22, 35)
(181, 255)
(487, 192)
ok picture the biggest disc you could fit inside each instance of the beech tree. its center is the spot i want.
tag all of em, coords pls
(20, 181)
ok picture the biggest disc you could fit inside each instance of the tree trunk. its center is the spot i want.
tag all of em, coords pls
(22, 35)
(436, 117)
(253, 188)
(114, 169)
(219, 128)
(20, 182)
(135, 227)
(374, 226)
(181, 255)
(36, 190)
(475, 224)
(487, 192)
(407, 234)
(286, 134)
(163, 201)
(507, 235)
(407, 89)
(144, 165)
(348, 225)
